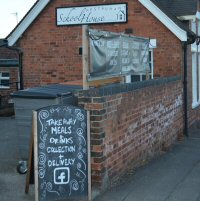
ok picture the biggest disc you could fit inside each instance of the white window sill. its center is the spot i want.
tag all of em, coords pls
(4, 87)
(195, 105)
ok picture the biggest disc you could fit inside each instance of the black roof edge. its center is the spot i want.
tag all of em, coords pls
(9, 63)
(3, 42)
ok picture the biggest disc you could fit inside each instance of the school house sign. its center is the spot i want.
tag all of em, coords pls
(98, 14)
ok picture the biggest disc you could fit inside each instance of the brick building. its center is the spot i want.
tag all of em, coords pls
(130, 122)
(9, 70)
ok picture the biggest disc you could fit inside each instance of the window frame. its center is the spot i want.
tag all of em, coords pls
(195, 50)
(4, 78)
(129, 78)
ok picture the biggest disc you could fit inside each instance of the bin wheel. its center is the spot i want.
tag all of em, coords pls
(22, 167)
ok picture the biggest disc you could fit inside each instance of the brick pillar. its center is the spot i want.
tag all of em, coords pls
(97, 117)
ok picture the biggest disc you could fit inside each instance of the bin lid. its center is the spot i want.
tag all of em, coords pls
(47, 92)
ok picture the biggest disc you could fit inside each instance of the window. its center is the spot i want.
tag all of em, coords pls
(141, 77)
(4, 80)
(195, 26)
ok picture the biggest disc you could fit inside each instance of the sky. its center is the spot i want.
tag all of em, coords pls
(12, 11)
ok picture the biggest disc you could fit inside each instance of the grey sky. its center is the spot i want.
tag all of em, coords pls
(8, 16)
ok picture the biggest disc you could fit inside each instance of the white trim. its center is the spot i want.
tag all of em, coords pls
(198, 15)
(128, 79)
(25, 23)
(4, 78)
(187, 17)
(170, 24)
(4, 87)
(195, 48)
(153, 43)
(195, 80)
(195, 104)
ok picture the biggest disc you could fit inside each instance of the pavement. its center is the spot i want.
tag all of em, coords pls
(12, 184)
(173, 176)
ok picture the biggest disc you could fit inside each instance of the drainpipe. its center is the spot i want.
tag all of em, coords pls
(21, 77)
(191, 40)
(185, 90)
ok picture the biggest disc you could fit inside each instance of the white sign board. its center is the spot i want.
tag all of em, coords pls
(111, 13)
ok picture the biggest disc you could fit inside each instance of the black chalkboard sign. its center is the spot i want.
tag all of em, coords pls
(62, 161)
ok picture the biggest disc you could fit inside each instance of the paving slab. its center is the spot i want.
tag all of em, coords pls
(174, 176)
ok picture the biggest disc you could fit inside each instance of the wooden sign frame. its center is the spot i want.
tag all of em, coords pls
(35, 139)
(30, 169)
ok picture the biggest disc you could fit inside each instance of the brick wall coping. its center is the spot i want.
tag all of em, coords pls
(122, 88)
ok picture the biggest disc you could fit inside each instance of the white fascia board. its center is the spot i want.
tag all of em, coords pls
(187, 17)
(152, 43)
(198, 15)
(26, 22)
(170, 24)
(195, 104)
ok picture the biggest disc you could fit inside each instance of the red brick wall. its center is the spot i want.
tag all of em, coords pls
(51, 53)
(130, 124)
(6, 53)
